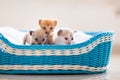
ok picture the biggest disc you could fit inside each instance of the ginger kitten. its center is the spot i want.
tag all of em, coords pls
(48, 26)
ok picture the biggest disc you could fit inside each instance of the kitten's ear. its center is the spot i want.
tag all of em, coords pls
(55, 22)
(31, 32)
(40, 22)
(59, 32)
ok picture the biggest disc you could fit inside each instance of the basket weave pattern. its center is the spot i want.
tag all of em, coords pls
(89, 57)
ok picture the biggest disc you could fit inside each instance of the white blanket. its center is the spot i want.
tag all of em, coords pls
(16, 37)
(13, 35)
(80, 37)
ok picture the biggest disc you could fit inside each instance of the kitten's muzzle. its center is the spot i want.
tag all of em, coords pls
(47, 33)
(68, 43)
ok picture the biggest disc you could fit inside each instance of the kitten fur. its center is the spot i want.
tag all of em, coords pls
(48, 26)
(35, 37)
(64, 37)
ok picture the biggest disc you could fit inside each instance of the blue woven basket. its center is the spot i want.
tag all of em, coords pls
(91, 56)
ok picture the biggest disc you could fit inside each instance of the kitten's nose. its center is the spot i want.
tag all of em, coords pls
(68, 42)
(47, 33)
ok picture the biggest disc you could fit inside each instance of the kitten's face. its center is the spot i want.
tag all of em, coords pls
(48, 26)
(38, 37)
(66, 37)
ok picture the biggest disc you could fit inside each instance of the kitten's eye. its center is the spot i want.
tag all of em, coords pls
(43, 39)
(66, 38)
(51, 28)
(71, 38)
(36, 39)
(44, 27)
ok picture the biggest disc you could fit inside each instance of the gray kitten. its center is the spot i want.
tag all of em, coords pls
(35, 37)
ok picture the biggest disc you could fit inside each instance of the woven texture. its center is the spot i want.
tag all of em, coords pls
(91, 56)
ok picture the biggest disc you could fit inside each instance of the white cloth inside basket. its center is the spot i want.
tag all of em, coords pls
(13, 35)
(16, 36)
(80, 37)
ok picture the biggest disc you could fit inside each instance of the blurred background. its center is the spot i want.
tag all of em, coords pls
(83, 15)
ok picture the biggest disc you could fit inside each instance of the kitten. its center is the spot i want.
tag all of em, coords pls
(64, 37)
(48, 26)
(35, 37)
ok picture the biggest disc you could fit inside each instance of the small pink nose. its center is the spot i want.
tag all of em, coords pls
(68, 42)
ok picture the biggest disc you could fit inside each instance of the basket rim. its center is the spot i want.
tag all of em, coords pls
(95, 36)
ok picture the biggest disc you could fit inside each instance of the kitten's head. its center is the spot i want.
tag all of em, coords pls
(65, 36)
(48, 25)
(38, 37)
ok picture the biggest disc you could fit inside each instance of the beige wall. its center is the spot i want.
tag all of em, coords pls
(84, 15)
